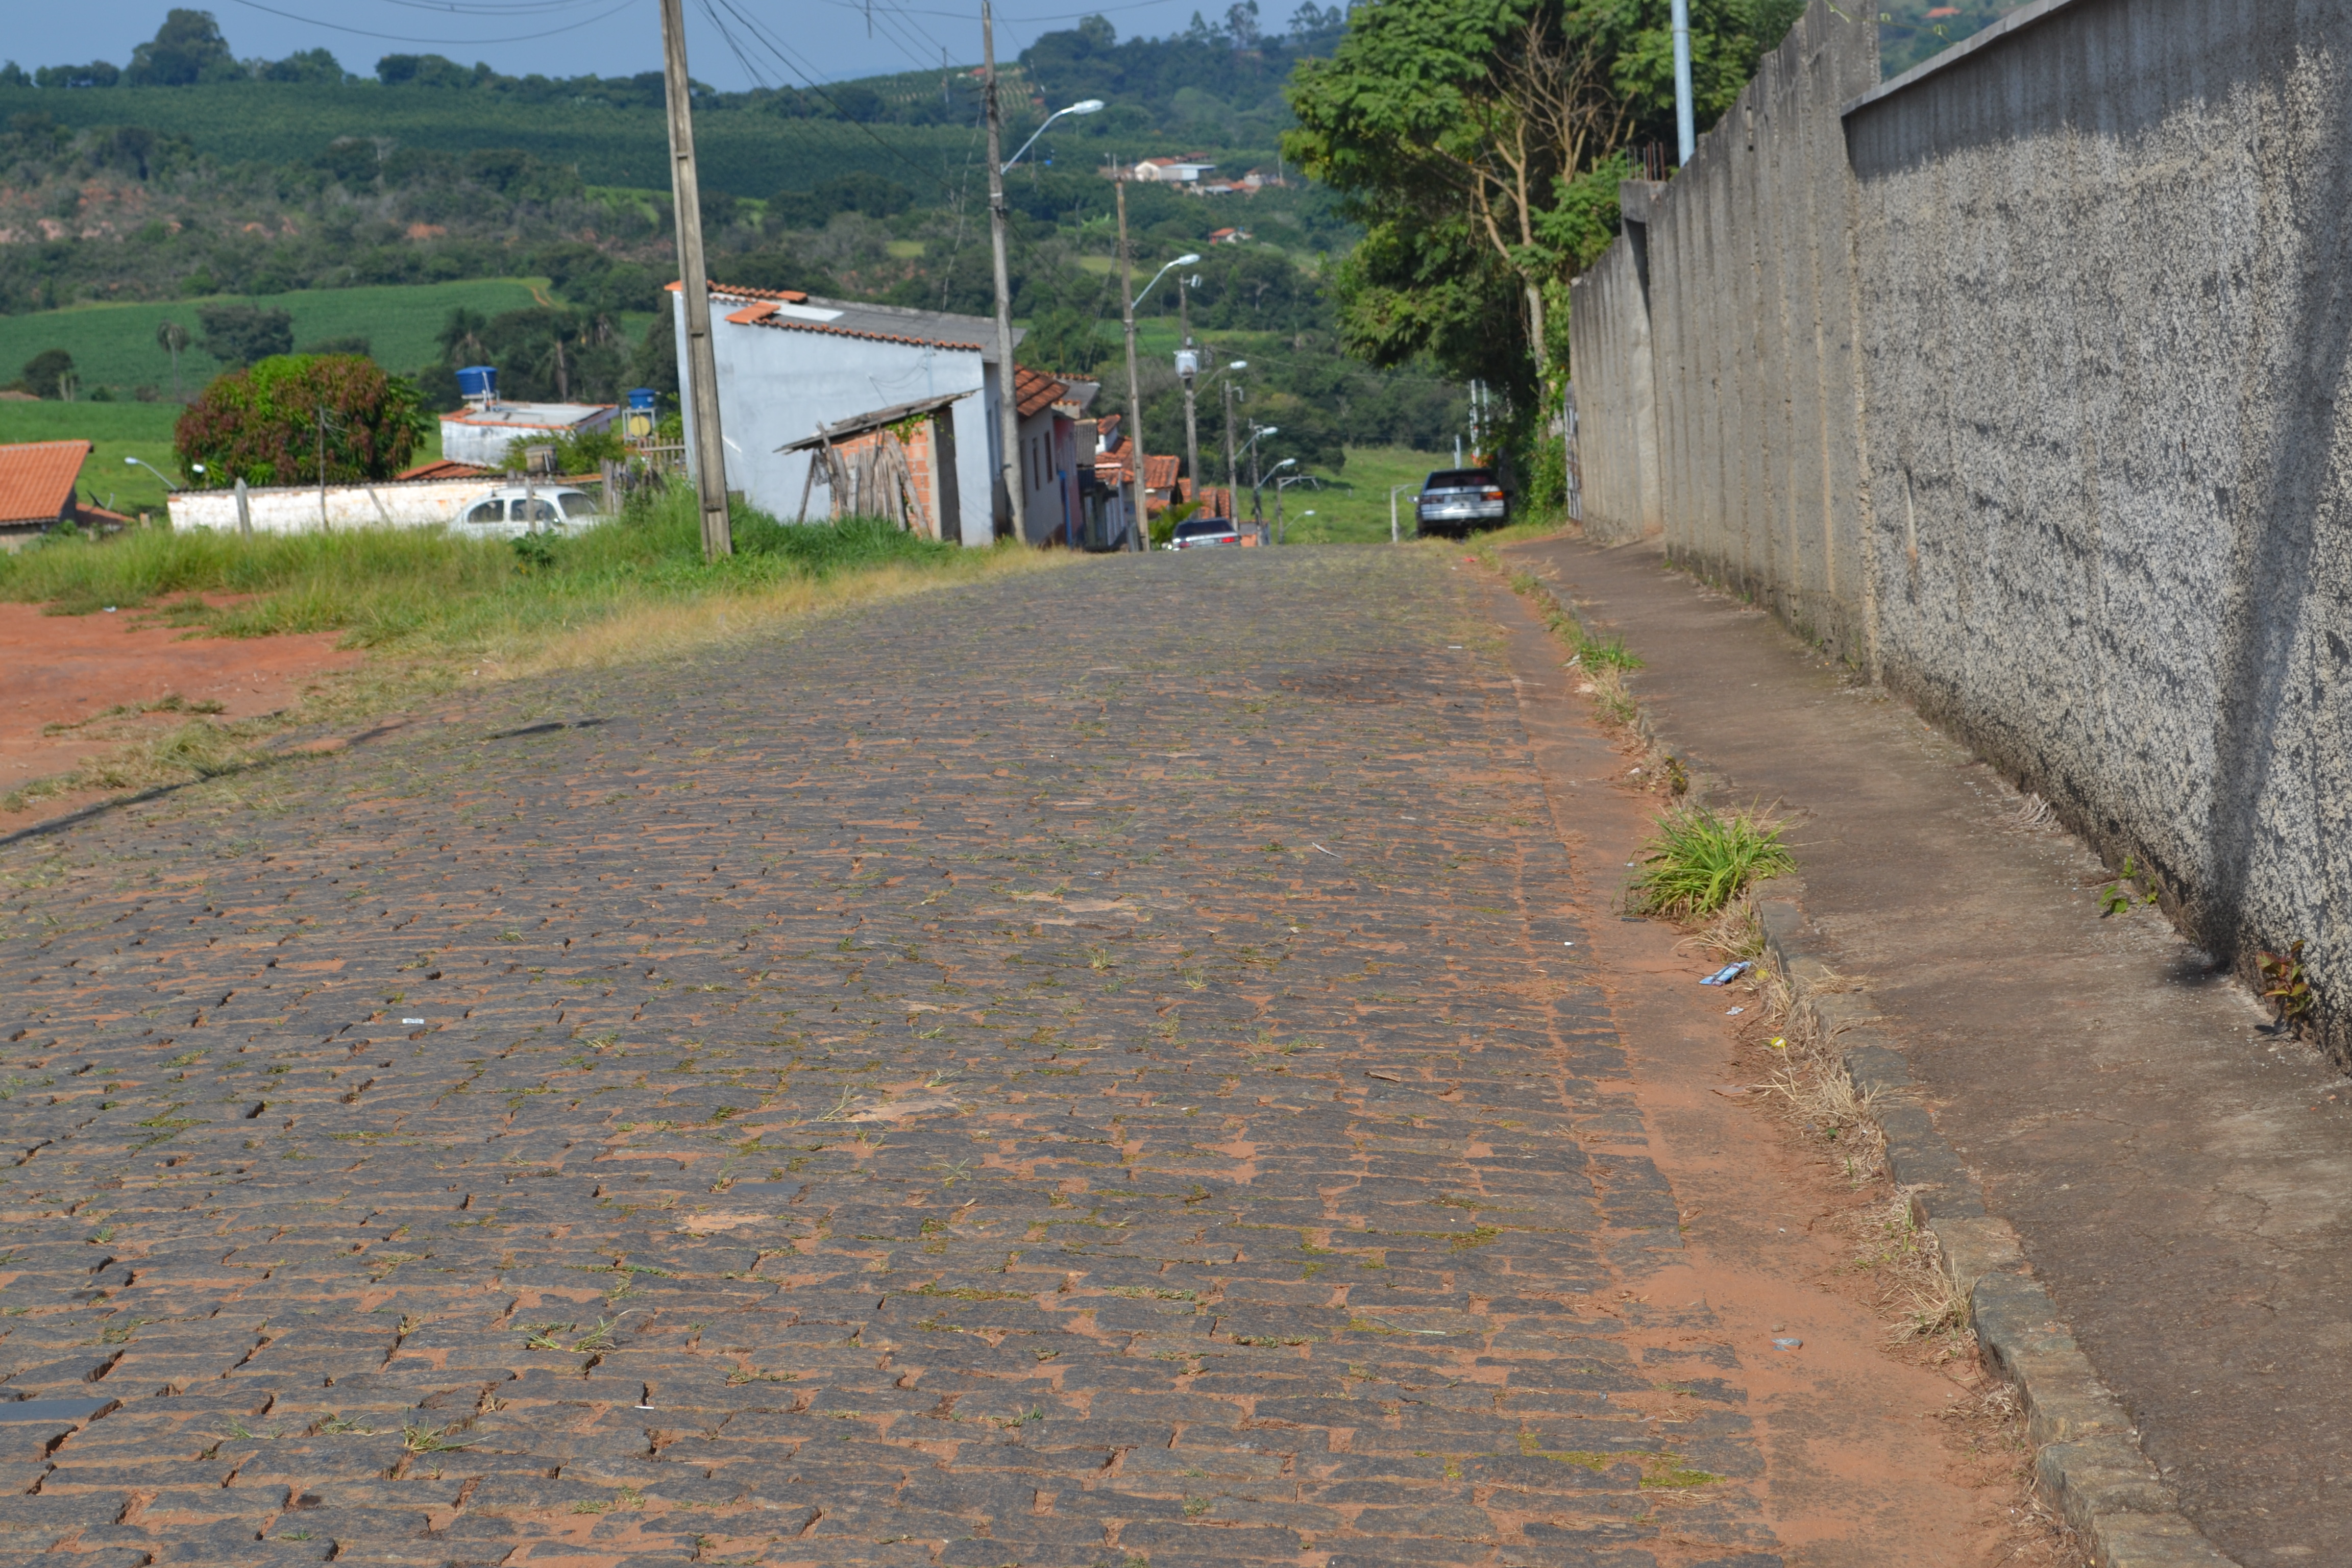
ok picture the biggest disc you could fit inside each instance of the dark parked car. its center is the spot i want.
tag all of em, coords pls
(1455, 501)
(1199, 532)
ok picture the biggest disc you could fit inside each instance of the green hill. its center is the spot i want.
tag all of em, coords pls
(113, 346)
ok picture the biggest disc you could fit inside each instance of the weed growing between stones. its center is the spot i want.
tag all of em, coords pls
(1698, 862)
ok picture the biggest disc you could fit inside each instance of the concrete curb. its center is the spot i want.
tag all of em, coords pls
(2088, 1467)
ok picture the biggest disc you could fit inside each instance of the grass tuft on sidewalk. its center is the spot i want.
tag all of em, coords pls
(1698, 862)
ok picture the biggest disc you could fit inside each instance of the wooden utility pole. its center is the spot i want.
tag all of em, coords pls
(1139, 527)
(1008, 409)
(701, 367)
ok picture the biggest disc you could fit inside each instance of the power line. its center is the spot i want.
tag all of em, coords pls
(448, 43)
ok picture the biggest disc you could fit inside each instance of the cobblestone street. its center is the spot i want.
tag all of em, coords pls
(1088, 1069)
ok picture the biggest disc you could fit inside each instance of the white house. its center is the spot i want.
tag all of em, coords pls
(1173, 170)
(790, 365)
(483, 430)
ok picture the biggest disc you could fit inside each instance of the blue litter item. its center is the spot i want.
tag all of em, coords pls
(1788, 1344)
(1729, 972)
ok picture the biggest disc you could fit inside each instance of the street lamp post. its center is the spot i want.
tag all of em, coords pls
(1280, 484)
(159, 473)
(1187, 365)
(1394, 538)
(1141, 525)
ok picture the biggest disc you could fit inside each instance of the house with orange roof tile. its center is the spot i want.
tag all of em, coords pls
(36, 491)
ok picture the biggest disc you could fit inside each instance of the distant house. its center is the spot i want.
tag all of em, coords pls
(36, 491)
(791, 365)
(481, 431)
(1228, 236)
(1163, 483)
(1064, 501)
(1183, 171)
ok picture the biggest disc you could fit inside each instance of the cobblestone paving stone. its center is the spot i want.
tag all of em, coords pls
(1078, 1070)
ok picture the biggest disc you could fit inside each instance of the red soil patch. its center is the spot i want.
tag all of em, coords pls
(67, 669)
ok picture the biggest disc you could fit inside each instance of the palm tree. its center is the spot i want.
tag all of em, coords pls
(171, 337)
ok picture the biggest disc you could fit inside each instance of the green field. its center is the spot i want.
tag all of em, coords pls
(116, 431)
(114, 345)
(1354, 508)
(742, 150)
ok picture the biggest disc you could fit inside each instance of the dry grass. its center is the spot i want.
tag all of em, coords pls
(1811, 1082)
(675, 627)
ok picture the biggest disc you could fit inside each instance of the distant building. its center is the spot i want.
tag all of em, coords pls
(36, 491)
(1183, 171)
(482, 430)
(1228, 236)
(792, 366)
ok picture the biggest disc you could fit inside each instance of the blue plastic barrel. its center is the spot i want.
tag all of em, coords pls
(478, 381)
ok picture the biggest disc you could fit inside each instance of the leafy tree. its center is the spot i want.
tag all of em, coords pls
(173, 339)
(1480, 143)
(98, 73)
(263, 425)
(241, 335)
(186, 49)
(46, 372)
(309, 65)
(1064, 341)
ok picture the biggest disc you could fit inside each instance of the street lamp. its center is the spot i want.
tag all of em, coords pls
(1280, 484)
(1008, 411)
(1179, 261)
(1226, 391)
(159, 473)
(1258, 480)
(1134, 376)
(1089, 107)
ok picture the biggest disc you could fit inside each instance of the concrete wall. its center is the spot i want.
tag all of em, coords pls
(2023, 385)
(294, 509)
(1609, 323)
(776, 385)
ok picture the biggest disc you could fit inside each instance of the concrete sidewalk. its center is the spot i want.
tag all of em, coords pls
(2178, 1176)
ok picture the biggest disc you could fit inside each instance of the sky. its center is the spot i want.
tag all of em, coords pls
(823, 40)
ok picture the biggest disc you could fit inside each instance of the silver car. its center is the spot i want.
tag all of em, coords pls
(1455, 501)
(511, 511)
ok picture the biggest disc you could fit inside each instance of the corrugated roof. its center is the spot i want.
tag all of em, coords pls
(857, 319)
(858, 424)
(528, 415)
(37, 479)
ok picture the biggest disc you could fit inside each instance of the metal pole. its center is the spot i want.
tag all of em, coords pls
(1257, 508)
(1008, 400)
(693, 286)
(1393, 537)
(243, 508)
(1685, 129)
(1139, 525)
(322, 468)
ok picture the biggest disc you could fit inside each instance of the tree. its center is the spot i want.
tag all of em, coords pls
(241, 335)
(48, 373)
(262, 425)
(171, 337)
(1480, 143)
(186, 49)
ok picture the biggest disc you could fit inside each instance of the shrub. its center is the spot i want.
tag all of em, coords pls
(262, 425)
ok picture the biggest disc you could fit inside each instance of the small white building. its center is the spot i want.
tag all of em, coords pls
(791, 365)
(482, 431)
(1173, 170)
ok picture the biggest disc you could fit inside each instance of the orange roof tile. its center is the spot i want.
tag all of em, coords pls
(1033, 390)
(445, 468)
(788, 296)
(1159, 472)
(37, 479)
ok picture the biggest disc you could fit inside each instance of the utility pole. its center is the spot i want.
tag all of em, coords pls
(322, 468)
(1187, 365)
(1008, 402)
(1140, 529)
(693, 286)
(1258, 511)
(1232, 479)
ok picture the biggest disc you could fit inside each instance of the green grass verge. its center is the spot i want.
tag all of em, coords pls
(114, 345)
(424, 588)
(1698, 862)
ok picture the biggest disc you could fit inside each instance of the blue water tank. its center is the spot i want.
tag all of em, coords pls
(478, 381)
(640, 399)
